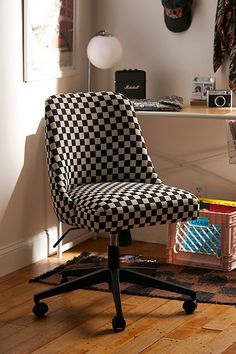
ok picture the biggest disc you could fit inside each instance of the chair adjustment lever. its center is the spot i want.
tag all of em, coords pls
(64, 235)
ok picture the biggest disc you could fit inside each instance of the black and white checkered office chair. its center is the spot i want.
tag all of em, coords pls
(103, 180)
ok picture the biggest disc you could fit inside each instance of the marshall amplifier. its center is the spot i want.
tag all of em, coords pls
(131, 83)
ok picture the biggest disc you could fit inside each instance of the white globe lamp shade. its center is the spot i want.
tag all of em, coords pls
(104, 50)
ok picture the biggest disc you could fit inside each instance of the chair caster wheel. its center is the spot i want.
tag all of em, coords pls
(40, 309)
(190, 306)
(118, 323)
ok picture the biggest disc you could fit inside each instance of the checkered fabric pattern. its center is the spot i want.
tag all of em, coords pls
(100, 173)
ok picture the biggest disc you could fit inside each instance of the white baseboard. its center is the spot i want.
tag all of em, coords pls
(19, 254)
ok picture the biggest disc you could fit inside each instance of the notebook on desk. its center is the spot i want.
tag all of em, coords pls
(166, 103)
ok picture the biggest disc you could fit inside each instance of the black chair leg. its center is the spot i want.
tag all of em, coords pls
(78, 272)
(143, 270)
(118, 321)
(85, 281)
(136, 278)
(115, 288)
(145, 280)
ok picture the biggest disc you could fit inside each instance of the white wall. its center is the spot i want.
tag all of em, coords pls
(25, 211)
(170, 59)
(187, 153)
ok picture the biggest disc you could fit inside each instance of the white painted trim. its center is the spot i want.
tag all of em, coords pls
(19, 254)
(11, 247)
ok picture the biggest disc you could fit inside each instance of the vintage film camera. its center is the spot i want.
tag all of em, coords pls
(219, 98)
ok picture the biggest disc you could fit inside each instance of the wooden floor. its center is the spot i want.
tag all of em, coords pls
(80, 322)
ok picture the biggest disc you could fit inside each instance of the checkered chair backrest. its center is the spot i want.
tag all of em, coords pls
(94, 137)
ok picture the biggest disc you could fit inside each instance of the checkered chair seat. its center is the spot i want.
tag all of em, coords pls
(115, 206)
(101, 175)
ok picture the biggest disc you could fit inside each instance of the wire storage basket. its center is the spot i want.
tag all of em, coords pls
(207, 242)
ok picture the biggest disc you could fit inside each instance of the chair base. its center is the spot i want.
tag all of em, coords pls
(113, 274)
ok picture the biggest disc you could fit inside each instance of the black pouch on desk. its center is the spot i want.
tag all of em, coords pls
(131, 83)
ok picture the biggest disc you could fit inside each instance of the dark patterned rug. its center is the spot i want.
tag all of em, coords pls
(211, 286)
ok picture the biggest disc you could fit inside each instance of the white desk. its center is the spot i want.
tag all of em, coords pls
(198, 145)
(194, 112)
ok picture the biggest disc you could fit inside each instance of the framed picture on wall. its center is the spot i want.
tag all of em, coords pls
(49, 38)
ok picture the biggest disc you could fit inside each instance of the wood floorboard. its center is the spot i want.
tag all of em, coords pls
(80, 321)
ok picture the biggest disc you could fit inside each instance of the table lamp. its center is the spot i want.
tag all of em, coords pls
(103, 51)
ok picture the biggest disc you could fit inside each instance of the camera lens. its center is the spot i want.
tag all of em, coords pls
(220, 101)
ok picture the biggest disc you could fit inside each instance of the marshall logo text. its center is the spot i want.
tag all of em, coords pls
(131, 87)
